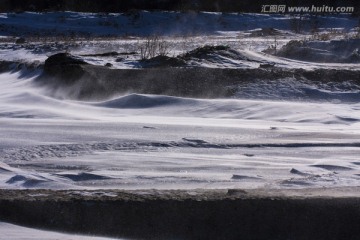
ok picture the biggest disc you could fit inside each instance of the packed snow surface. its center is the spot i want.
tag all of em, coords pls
(273, 134)
(14, 232)
(154, 141)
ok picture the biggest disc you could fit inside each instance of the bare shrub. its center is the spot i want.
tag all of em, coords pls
(154, 46)
(330, 35)
(273, 48)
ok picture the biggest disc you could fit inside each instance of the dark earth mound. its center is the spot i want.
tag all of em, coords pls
(162, 61)
(64, 66)
(88, 82)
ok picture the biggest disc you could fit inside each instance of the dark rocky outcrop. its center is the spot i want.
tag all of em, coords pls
(163, 61)
(64, 66)
(20, 41)
(106, 54)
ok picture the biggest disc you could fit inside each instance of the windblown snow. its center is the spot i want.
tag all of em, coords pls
(153, 141)
(271, 134)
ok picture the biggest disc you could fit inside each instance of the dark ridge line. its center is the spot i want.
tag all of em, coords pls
(98, 83)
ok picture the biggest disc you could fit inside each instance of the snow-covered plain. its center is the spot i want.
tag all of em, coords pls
(153, 141)
(280, 134)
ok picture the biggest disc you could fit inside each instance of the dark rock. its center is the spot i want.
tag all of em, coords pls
(20, 41)
(64, 65)
(107, 54)
(163, 61)
(267, 65)
(127, 53)
(108, 65)
(63, 59)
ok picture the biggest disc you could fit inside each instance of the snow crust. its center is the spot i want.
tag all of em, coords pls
(152, 141)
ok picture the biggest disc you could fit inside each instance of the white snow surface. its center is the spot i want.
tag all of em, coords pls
(280, 134)
(14, 232)
(152, 141)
